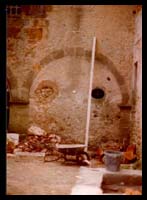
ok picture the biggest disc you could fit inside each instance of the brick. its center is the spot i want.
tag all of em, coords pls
(49, 8)
(13, 32)
(34, 10)
(37, 67)
(36, 22)
(87, 53)
(69, 52)
(79, 51)
(46, 60)
(58, 54)
(26, 10)
(34, 33)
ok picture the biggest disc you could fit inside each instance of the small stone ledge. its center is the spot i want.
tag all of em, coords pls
(88, 183)
(26, 156)
(90, 180)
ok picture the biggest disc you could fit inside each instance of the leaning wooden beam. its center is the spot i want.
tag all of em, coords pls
(89, 94)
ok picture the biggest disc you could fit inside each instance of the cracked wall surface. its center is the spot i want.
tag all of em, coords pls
(48, 67)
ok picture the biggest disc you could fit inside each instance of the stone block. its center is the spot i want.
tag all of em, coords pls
(11, 156)
(58, 54)
(34, 33)
(27, 156)
(79, 51)
(94, 181)
(37, 67)
(87, 53)
(46, 60)
(13, 32)
(34, 10)
(49, 8)
(20, 95)
(69, 51)
(34, 130)
(28, 82)
(86, 190)
(13, 137)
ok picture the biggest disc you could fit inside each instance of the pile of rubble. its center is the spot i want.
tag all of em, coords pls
(35, 143)
(37, 140)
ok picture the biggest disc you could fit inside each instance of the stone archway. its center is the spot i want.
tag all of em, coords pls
(71, 95)
(79, 51)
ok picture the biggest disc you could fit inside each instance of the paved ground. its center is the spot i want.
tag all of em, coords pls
(90, 180)
(27, 175)
(38, 178)
(34, 177)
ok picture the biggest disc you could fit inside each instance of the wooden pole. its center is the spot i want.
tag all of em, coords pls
(89, 94)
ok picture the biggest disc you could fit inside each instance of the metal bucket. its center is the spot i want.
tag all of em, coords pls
(112, 160)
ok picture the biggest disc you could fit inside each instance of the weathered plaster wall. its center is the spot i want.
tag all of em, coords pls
(69, 78)
(137, 86)
(52, 50)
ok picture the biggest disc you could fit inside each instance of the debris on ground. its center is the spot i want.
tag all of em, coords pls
(10, 146)
(13, 137)
(111, 145)
(35, 130)
(12, 141)
(34, 143)
(100, 153)
(128, 156)
(129, 191)
(86, 162)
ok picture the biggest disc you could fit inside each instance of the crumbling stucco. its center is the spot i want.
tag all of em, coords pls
(48, 65)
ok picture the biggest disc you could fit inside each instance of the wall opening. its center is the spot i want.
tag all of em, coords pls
(108, 78)
(14, 10)
(97, 93)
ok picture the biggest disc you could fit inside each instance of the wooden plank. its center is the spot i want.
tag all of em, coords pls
(89, 94)
(70, 146)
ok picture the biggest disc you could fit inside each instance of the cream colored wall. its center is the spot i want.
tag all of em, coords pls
(57, 48)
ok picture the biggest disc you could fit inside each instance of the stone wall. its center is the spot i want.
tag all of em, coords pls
(137, 86)
(48, 65)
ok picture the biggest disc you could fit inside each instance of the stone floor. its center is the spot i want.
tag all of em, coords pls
(27, 174)
(90, 179)
(31, 176)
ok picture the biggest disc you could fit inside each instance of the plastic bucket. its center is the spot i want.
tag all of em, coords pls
(112, 160)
